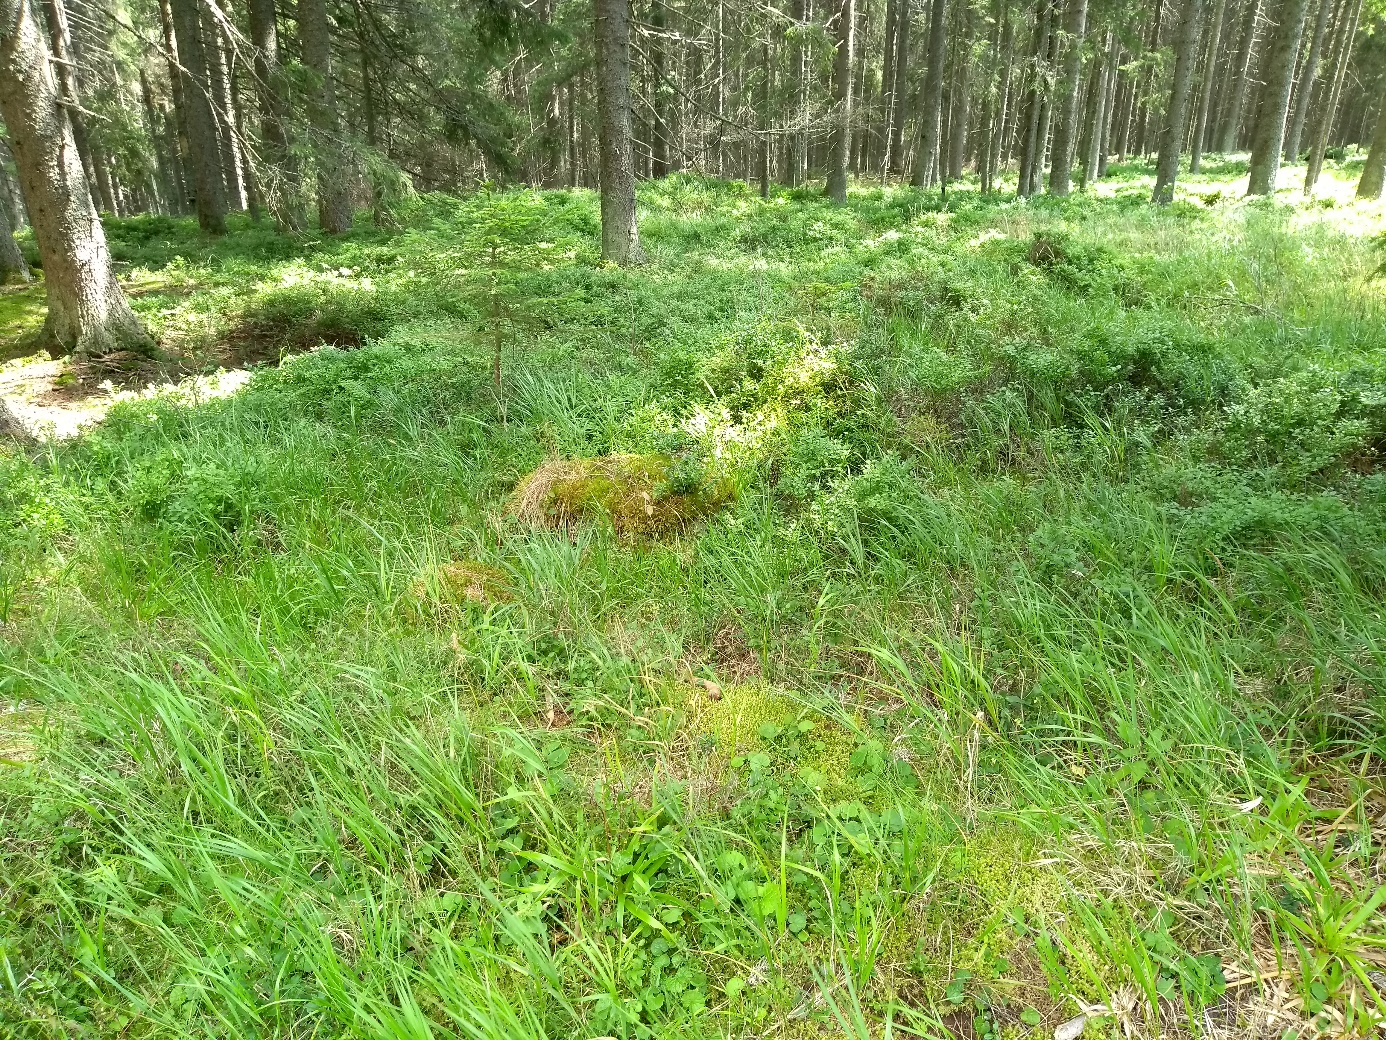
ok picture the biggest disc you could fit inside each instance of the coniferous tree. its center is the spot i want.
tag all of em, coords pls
(1066, 131)
(1374, 173)
(926, 161)
(281, 167)
(335, 207)
(840, 144)
(208, 183)
(1176, 112)
(620, 234)
(88, 313)
(1205, 94)
(1304, 85)
(1268, 134)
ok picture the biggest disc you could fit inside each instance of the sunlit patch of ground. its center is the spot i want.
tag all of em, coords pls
(47, 398)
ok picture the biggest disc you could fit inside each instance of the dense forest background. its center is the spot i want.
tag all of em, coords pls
(191, 104)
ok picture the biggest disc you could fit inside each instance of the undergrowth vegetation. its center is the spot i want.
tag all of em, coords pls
(1022, 658)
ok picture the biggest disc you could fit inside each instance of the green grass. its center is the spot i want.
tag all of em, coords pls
(1036, 664)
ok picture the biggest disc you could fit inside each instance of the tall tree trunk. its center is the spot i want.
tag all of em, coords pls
(186, 163)
(1231, 118)
(901, 88)
(13, 266)
(659, 130)
(1096, 117)
(335, 208)
(1001, 155)
(926, 161)
(1066, 99)
(1147, 83)
(1374, 173)
(11, 197)
(1205, 96)
(719, 79)
(840, 146)
(245, 163)
(228, 143)
(1304, 89)
(208, 185)
(1342, 51)
(992, 119)
(620, 235)
(64, 69)
(281, 180)
(764, 135)
(861, 107)
(87, 310)
(961, 92)
(1177, 111)
(889, 109)
(1109, 110)
(570, 110)
(1268, 135)
(1028, 127)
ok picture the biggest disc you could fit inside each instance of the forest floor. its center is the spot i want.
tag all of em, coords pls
(885, 620)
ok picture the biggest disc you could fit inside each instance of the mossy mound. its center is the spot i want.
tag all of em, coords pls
(645, 495)
(462, 581)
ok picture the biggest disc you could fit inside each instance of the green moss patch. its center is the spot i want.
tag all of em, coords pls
(647, 495)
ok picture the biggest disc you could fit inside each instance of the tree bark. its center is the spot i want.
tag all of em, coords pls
(1231, 118)
(1268, 135)
(1066, 133)
(1177, 111)
(1143, 97)
(208, 186)
(64, 71)
(11, 428)
(1205, 97)
(620, 234)
(719, 80)
(570, 118)
(87, 310)
(1304, 89)
(335, 208)
(926, 161)
(840, 146)
(1374, 173)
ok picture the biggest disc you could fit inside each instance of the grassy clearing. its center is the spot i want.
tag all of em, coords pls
(1032, 664)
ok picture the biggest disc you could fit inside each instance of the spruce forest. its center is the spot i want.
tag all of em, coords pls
(626, 519)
